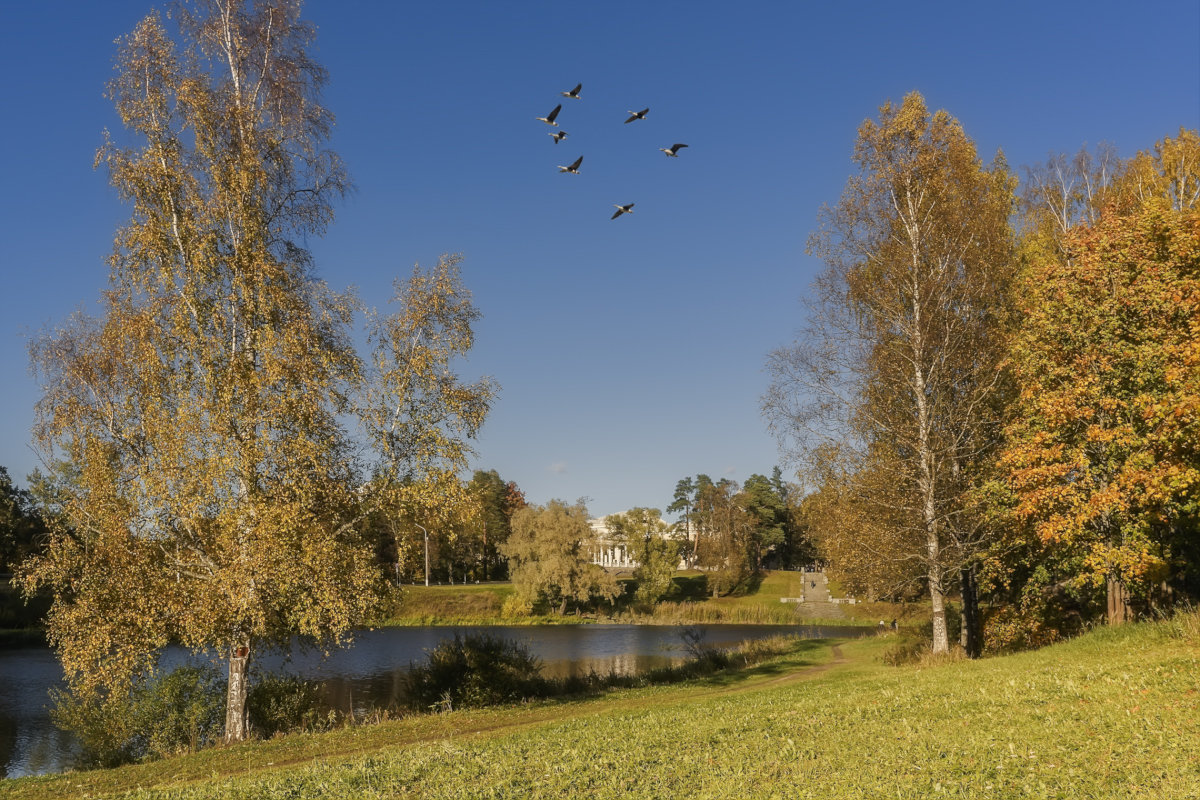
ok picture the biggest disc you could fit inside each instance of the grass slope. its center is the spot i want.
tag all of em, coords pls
(1112, 714)
(452, 605)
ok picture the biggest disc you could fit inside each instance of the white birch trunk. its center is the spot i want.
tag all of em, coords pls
(237, 723)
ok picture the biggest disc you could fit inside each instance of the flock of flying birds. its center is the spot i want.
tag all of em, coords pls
(573, 167)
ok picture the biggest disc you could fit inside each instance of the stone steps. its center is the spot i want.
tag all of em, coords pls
(817, 602)
(819, 610)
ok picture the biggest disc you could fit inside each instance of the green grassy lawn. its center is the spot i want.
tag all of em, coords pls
(1114, 714)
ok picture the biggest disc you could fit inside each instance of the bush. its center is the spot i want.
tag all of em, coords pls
(474, 670)
(283, 703)
(174, 712)
(705, 657)
(516, 605)
(1037, 619)
(181, 711)
(104, 727)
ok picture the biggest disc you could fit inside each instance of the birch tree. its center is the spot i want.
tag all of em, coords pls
(899, 368)
(219, 491)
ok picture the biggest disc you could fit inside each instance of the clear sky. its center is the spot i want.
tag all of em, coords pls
(630, 351)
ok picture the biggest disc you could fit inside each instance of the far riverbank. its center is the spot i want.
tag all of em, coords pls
(762, 604)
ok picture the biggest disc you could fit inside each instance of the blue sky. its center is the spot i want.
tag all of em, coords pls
(630, 351)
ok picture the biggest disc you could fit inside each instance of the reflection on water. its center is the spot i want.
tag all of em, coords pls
(29, 742)
(623, 664)
(386, 690)
(368, 675)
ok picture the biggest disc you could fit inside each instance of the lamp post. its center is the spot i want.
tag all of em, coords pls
(422, 527)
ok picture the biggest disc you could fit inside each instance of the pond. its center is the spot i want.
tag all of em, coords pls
(367, 675)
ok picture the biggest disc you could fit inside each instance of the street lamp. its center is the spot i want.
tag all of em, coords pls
(422, 527)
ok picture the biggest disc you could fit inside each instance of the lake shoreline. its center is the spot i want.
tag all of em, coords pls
(831, 713)
(481, 605)
(366, 677)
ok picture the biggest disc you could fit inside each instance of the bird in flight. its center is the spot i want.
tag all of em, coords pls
(637, 115)
(574, 168)
(622, 210)
(558, 136)
(574, 92)
(549, 118)
(672, 151)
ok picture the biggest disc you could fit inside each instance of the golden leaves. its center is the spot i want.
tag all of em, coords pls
(217, 491)
(417, 412)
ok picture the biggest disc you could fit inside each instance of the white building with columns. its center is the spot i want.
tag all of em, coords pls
(612, 552)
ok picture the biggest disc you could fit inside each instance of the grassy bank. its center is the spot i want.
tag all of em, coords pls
(452, 605)
(483, 604)
(1115, 713)
(690, 603)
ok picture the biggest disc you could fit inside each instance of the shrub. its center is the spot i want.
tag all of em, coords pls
(173, 712)
(283, 703)
(1036, 620)
(474, 670)
(515, 605)
(181, 711)
(104, 726)
(705, 657)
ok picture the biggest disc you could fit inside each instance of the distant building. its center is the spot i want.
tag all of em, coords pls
(613, 552)
(607, 550)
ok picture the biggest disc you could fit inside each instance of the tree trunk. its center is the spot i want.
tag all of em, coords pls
(486, 555)
(937, 596)
(237, 725)
(927, 480)
(970, 638)
(1118, 601)
(933, 554)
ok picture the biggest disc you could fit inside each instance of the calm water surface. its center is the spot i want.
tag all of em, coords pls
(367, 675)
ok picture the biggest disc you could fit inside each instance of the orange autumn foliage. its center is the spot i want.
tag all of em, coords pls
(1104, 453)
